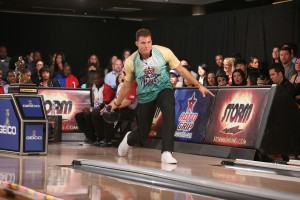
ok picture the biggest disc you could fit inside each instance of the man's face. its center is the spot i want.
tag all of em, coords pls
(67, 71)
(219, 60)
(97, 79)
(276, 77)
(11, 77)
(144, 45)
(241, 66)
(285, 57)
(3, 53)
(26, 77)
(117, 67)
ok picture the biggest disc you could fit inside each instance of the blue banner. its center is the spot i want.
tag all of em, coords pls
(31, 107)
(192, 113)
(9, 126)
(34, 137)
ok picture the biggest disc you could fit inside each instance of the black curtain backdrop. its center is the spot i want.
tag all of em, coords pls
(250, 32)
(76, 37)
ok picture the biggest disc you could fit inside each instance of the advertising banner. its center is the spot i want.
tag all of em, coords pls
(34, 134)
(9, 126)
(192, 113)
(236, 116)
(66, 102)
(30, 107)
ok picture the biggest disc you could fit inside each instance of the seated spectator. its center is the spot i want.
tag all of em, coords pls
(25, 76)
(202, 74)
(253, 79)
(10, 78)
(35, 78)
(222, 78)
(111, 77)
(66, 78)
(101, 95)
(276, 72)
(242, 64)
(229, 67)
(126, 110)
(46, 80)
(211, 79)
(174, 79)
(238, 78)
(83, 80)
(1, 83)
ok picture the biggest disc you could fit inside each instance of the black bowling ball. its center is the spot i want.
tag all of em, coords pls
(111, 117)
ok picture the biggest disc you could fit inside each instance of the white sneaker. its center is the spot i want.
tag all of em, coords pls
(166, 157)
(123, 147)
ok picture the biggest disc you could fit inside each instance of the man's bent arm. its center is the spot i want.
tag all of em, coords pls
(126, 87)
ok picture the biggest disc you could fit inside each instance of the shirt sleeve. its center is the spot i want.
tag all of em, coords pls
(108, 93)
(129, 68)
(169, 56)
(132, 93)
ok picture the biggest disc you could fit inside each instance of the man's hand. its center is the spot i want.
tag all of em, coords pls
(205, 91)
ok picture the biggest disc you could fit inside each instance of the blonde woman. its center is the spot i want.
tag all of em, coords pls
(229, 68)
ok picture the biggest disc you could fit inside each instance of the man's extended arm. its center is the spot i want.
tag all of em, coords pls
(187, 75)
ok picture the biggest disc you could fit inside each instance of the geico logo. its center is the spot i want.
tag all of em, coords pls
(31, 106)
(10, 130)
(34, 137)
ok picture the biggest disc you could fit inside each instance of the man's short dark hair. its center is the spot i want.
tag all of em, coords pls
(286, 48)
(278, 67)
(142, 33)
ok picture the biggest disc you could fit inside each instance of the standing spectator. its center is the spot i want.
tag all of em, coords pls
(277, 76)
(286, 60)
(4, 61)
(295, 80)
(111, 77)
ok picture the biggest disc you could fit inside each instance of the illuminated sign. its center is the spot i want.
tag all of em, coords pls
(66, 102)
(236, 116)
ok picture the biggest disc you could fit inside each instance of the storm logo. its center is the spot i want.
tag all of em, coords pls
(236, 113)
(33, 136)
(188, 118)
(149, 78)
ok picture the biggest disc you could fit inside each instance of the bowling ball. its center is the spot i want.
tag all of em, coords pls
(111, 117)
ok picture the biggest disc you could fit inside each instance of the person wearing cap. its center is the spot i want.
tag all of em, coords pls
(174, 78)
(222, 78)
(149, 66)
